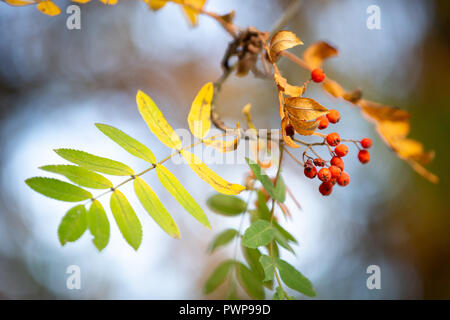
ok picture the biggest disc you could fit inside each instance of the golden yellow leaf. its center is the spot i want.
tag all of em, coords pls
(381, 112)
(391, 131)
(223, 145)
(209, 176)
(48, 8)
(287, 139)
(283, 85)
(304, 108)
(156, 4)
(423, 172)
(333, 88)
(110, 2)
(156, 121)
(200, 114)
(282, 40)
(407, 148)
(190, 10)
(246, 111)
(19, 3)
(316, 53)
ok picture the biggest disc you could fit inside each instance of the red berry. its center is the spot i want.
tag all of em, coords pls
(333, 180)
(364, 156)
(341, 150)
(335, 171)
(366, 143)
(317, 75)
(310, 171)
(323, 124)
(333, 139)
(333, 116)
(344, 179)
(324, 175)
(325, 188)
(338, 162)
(319, 162)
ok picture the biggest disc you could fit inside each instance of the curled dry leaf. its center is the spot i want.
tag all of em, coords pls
(283, 85)
(281, 41)
(223, 145)
(316, 53)
(304, 108)
(303, 127)
(381, 112)
(287, 139)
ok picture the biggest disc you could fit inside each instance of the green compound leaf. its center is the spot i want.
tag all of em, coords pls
(218, 276)
(57, 189)
(95, 163)
(226, 205)
(250, 282)
(79, 175)
(280, 190)
(294, 279)
(155, 208)
(126, 219)
(131, 145)
(258, 234)
(171, 183)
(223, 239)
(278, 295)
(265, 180)
(72, 225)
(98, 225)
(268, 267)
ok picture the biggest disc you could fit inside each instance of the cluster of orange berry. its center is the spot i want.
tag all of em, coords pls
(334, 173)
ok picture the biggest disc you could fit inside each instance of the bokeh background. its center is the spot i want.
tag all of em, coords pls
(56, 83)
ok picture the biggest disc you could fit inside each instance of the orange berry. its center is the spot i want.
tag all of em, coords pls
(364, 156)
(333, 116)
(323, 124)
(335, 171)
(319, 162)
(338, 162)
(344, 179)
(333, 139)
(317, 75)
(324, 175)
(366, 143)
(326, 188)
(310, 171)
(341, 150)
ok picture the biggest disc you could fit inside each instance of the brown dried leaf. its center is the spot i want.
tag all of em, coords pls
(316, 53)
(287, 139)
(284, 86)
(303, 127)
(333, 88)
(381, 112)
(304, 108)
(282, 40)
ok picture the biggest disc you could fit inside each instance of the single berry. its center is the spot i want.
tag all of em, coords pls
(323, 124)
(317, 75)
(310, 171)
(341, 150)
(333, 116)
(290, 131)
(364, 156)
(319, 162)
(338, 162)
(333, 180)
(333, 139)
(366, 143)
(324, 175)
(344, 179)
(325, 188)
(335, 171)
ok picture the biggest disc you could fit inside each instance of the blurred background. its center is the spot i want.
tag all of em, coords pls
(56, 83)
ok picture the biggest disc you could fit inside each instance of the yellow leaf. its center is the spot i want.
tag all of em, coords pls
(246, 111)
(209, 176)
(381, 112)
(110, 2)
(226, 146)
(281, 41)
(48, 8)
(316, 53)
(19, 3)
(199, 116)
(156, 121)
(304, 108)
(407, 148)
(333, 88)
(423, 172)
(81, 1)
(190, 10)
(156, 4)
(393, 130)
(283, 85)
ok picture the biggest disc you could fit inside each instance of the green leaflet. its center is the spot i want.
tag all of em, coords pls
(58, 189)
(126, 219)
(252, 257)
(79, 175)
(226, 205)
(280, 190)
(294, 279)
(284, 232)
(282, 241)
(95, 163)
(223, 238)
(278, 295)
(155, 208)
(268, 267)
(171, 183)
(218, 276)
(263, 209)
(72, 225)
(265, 180)
(133, 146)
(250, 282)
(258, 234)
(98, 225)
